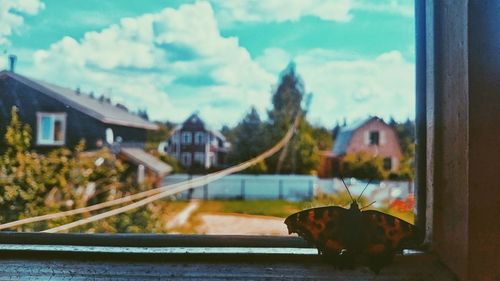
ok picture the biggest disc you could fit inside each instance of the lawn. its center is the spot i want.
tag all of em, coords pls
(274, 208)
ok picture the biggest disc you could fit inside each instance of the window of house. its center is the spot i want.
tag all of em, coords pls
(109, 136)
(374, 137)
(199, 138)
(51, 128)
(387, 163)
(186, 137)
(186, 159)
(199, 157)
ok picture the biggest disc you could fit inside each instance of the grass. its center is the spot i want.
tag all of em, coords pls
(274, 208)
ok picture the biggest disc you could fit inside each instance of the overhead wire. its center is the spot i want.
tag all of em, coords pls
(185, 185)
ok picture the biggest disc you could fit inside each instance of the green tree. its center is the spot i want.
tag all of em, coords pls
(301, 152)
(323, 138)
(406, 135)
(249, 141)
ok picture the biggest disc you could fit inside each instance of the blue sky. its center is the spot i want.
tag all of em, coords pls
(220, 57)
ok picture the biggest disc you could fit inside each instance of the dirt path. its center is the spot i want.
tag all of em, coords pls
(183, 216)
(239, 224)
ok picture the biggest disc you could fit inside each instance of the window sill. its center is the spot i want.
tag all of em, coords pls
(39, 256)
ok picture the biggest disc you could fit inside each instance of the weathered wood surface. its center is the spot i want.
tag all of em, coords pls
(37, 268)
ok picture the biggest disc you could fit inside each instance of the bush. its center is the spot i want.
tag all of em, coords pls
(34, 184)
(363, 166)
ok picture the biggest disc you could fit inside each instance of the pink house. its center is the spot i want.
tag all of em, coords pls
(372, 136)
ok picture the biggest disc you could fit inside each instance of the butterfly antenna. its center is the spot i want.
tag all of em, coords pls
(368, 205)
(347, 189)
(364, 189)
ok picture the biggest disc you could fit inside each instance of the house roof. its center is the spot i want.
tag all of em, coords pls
(345, 134)
(214, 132)
(102, 111)
(140, 157)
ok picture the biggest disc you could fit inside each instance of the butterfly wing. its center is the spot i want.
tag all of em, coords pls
(386, 233)
(322, 227)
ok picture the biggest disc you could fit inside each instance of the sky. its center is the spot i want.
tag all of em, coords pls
(219, 57)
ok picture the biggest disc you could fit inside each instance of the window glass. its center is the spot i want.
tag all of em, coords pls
(199, 138)
(387, 163)
(168, 93)
(46, 127)
(186, 137)
(374, 137)
(186, 159)
(199, 157)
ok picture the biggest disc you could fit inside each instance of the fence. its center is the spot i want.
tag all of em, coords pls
(251, 187)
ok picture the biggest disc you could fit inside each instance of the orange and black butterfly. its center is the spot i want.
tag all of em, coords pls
(350, 237)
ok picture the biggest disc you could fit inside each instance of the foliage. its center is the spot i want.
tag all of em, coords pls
(363, 166)
(172, 162)
(406, 136)
(323, 138)
(34, 184)
(248, 141)
(301, 155)
(153, 138)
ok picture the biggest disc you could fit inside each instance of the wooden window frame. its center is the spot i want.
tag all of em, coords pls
(457, 62)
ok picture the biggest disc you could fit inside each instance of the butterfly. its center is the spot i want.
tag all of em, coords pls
(351, 237)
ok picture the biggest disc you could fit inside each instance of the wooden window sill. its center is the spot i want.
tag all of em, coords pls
(167, 257)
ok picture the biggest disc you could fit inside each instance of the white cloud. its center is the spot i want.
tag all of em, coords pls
(280, 11)
(11, 16)
(400, 7)
(172, 65)
(292, 10)
(143, 59)
(354, 87)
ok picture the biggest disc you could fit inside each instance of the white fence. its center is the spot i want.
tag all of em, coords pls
(287, 187)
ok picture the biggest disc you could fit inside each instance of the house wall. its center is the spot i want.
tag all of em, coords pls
(193, 128)
(78, 125)
(388, 142)
(176, 148)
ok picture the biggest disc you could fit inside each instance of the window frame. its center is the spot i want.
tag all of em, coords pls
(202, 158)
(201, 135)
(189, 162)
(186, 137)
(374, 140)
(56, 116)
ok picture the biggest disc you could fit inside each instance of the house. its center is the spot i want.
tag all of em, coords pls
(193, 142)
(62, 117)
(372, 136)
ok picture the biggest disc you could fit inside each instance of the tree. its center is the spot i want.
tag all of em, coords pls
(249, 141)
(406, 135)
(323, 138)
(143, 113)
(301, 151)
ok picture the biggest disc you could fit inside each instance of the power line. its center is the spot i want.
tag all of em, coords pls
(162, 191)
(185, 185)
